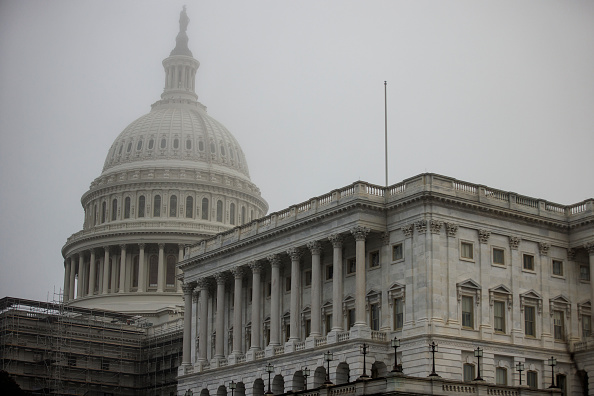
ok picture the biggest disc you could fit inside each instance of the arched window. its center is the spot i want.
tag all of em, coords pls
(220, 211)
(129, 147)
(204, 208)
(110, 272)
(139, 145)
(114, 209)
(141, 205)
(222, 150)
(135, 271)
(163, 143)
(121, 148)
(176, 143)
(170, 277)
(232, 213)
(252, 214)
(103, 211)
(173, 206)
(127, 208)
(189, 207)
(243, 215)
(157, 206)
(213, 149)
(188, 144)
(151, 144)
(153, 270)
(95, 215)
(201, 145)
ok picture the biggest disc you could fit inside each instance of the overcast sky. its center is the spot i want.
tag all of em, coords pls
(496, 93)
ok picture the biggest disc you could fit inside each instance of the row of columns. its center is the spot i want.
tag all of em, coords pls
(85, 270)
(359, 233)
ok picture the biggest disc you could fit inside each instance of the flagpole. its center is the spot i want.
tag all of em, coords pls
(386, 126)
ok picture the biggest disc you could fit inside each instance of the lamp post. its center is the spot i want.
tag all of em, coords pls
(305, 372)
(364, 350)
(395, 344)
(232, 386)
(269, 370)
(478, 353)
(433, 347)
(552, 363)
(520, 368)
(189, 392)
(328, 356)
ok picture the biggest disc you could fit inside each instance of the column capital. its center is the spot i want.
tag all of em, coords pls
(195, 295)
(421, 226)
(360, 232)
(571, 254)
(514, 242)
(220, 278)
(385, 238)
(202, 283)
(408, 229)
(92, 250)
(106, 248)
(274, 260)
(161, 246)
(315, 247)
(435, 226)
(188, 288)
(451, 229)
(589, 246)
(142, 245)
(123, 246)
(294, 253)
(484, 236)
(255, 266)
(544, 248)
(181, 245)
(237, 272)
(336, 240)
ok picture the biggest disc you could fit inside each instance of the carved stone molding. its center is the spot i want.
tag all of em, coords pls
(237, 272)
(315, 247)
(195, 295)
(484, 236)
(451, 229)
(514, 242)
(544, 248)
(408, 230)
(255, 266)
(274, 260)
(589, 247)
(294, 253)
(220, 278)
(385, 238)
(188, 288)
(421, 226)
(360, 233)
(571, 254)
(336, 240)
(435, 226)
(202, 283)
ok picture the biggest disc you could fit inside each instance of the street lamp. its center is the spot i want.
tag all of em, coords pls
(478, 353)
(395, 344)
(305, 372)
(232, 386)
(552, 363)
(269, 370)
(189, 393)
(364, 350)
(433, 347)
(520, 368)
(328, 356)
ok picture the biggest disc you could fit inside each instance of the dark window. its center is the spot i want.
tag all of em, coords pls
(232, 213)
(499, 316)
(375, 316)
(398, 313)
(114, 209)
(103, 211)
(170, 277)
(127, 208)
(204, 208)
(243, 215)
(532, 379)
(129, 147)
(220, 211)
(308, 278)
(135, 271)
(139, 145)
(157, 206)
(175, 143)
(163, 143)
(584, 273)
(559, 325)
(188, 144)
(173, 206)
(329, 272)
(467, 312)
(397, 253)
(466, 250)
(374, 259)
(558, 267)
(288, 283)
(95, 215)
(529, 321)
(189, 207)
(201, 145)
(350, 318)
(153, 270)
(351, 266)
(498, 256)
(529, 262)
(151, 144)
(586, 326)
(469, 372)
(141, 205)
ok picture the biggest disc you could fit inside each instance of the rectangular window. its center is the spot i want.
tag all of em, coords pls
(469, 373)
(586, 326)
(529, 262)
(501, 376)
(288, 284)
(585, 273)
(466, 250)
(499, 316)
(558, 267)
(307, 327)
(467, 312)
(268, 289)
(398, 314)
(498, 256)
(532, 379)
(287, 332)
(351, 266)
(562, 383)
(329, 272)
(328, 322)
(529, 322)
(375, 316)
(397, 252)
(350, 318)
(307, 278)
(374, 259)
(559, 325)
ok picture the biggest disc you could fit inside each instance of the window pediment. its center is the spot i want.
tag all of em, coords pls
(327, 308)
(532, 298)
(373, 297)
(469, 288)
(560, 303)
(395, 291)
(501, 292)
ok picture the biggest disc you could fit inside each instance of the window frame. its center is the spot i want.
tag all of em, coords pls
(350, 263)
(470, 244)
(465, 299)
(560, 273)
(502, 317)
(307, 278)
(559, 330)
(468, 372)
(532, 379)
(329, 272)
(499, 249)
(532, 261)
(374, 257)
(503, 372)
(585, 275)
(532, 309)
(398, 252)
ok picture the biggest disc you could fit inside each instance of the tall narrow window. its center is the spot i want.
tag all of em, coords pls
(397, 253)
(532, 379)
(585, 273)
(375, 316)
(114, 209)
(173, 206)
(153, 270)
(528, 260)
(586, 326)
(398, 314)
(469, 372)
(529, 321)
(127, 208)
(499, 316)
(188, 144)
(242, 215)
(95, 215)
(350, 318)
(189, 207)
(141, 205)
(232, 213)
(176, 143)
(220, 211)
(135, 271)
(204, 208)
(467, 312)
(559, 325)
(157, 206)
(151, 144)
(501, 376)
(163, 143)
(558, 267)
(170, 277)
(103, 211)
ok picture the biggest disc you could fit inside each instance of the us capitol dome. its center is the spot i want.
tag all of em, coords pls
(173, 177)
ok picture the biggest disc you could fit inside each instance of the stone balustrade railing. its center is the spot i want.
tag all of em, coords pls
(427, 183)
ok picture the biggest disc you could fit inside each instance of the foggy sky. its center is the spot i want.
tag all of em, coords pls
(496, 93)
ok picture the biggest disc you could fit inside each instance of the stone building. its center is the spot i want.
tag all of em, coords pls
(429, 260)
(172, 177)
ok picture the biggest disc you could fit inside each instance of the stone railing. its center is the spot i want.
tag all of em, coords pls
(427, 183)
(344, 336)
(279, 350)
(259, 355)
(320, 341)
(379, 335)
(299, 346)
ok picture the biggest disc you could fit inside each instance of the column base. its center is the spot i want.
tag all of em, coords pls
(361, 331)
